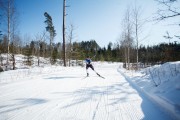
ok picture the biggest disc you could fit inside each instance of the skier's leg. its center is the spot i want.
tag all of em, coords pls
(87, 70)
(94, 70)
(92, 67)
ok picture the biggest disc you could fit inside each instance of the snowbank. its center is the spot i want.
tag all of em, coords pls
(161, 83)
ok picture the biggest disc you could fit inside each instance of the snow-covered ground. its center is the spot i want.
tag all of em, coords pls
(160, 83)
(64, 93)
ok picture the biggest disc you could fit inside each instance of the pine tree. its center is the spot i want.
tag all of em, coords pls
(28, 58)
(51, 30)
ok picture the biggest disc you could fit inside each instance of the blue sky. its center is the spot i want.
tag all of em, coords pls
(93, 19)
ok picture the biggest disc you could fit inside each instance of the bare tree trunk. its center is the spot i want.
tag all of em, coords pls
(69, 54)
(138, 23)
(137, 47)
(64, 47)
(8, 31)
(128, 58)
(137, 56)
(129, 29)
(50, 48)
(14, 62)
(13, 45)
(136, 32)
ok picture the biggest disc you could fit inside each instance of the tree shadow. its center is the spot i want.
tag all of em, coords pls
(21, 103)
(93, 93)
(62, 77)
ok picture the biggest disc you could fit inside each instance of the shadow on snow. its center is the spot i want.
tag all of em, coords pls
(150, 109)
(64, 77)
(21, 103)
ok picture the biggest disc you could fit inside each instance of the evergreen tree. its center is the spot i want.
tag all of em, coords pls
(54, 55)
(28, 58)
(51, 30)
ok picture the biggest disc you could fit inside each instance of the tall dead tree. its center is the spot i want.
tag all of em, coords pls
(8, 18)
(64, 33)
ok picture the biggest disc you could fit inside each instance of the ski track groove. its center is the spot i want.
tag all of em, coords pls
(93, 97)
(116, 109)
(96, 108)
(138, 114)
(73, 101)
(40, 112)
(105, 101)
(90, 105)
(107, 98)
(82, 95)
(119, 112)
(100, 104)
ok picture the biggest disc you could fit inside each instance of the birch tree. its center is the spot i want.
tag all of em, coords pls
(9, 15)
(127, 35)
(138, 24)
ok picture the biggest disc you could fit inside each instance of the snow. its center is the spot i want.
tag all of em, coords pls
(160, 84)
(64, 93)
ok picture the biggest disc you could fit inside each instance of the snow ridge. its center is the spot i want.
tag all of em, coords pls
(160, 84)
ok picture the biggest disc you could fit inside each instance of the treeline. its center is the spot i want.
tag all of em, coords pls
(160, 53)
(79, 50)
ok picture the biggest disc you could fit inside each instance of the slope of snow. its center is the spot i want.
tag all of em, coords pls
(64, 93)
(161, 83)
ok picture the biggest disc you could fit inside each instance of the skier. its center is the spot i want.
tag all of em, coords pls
(88, 64)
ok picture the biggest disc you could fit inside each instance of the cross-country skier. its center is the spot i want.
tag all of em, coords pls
(88, 64)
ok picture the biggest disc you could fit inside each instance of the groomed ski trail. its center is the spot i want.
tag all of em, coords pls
(64, 95)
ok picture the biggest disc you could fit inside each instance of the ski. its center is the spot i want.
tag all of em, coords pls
(100, 75)
(84, 77)
(96, 73)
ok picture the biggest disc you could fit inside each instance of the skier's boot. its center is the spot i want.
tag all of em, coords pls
(87, 74)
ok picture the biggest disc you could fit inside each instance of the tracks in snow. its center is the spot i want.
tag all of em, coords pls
(55, 97)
